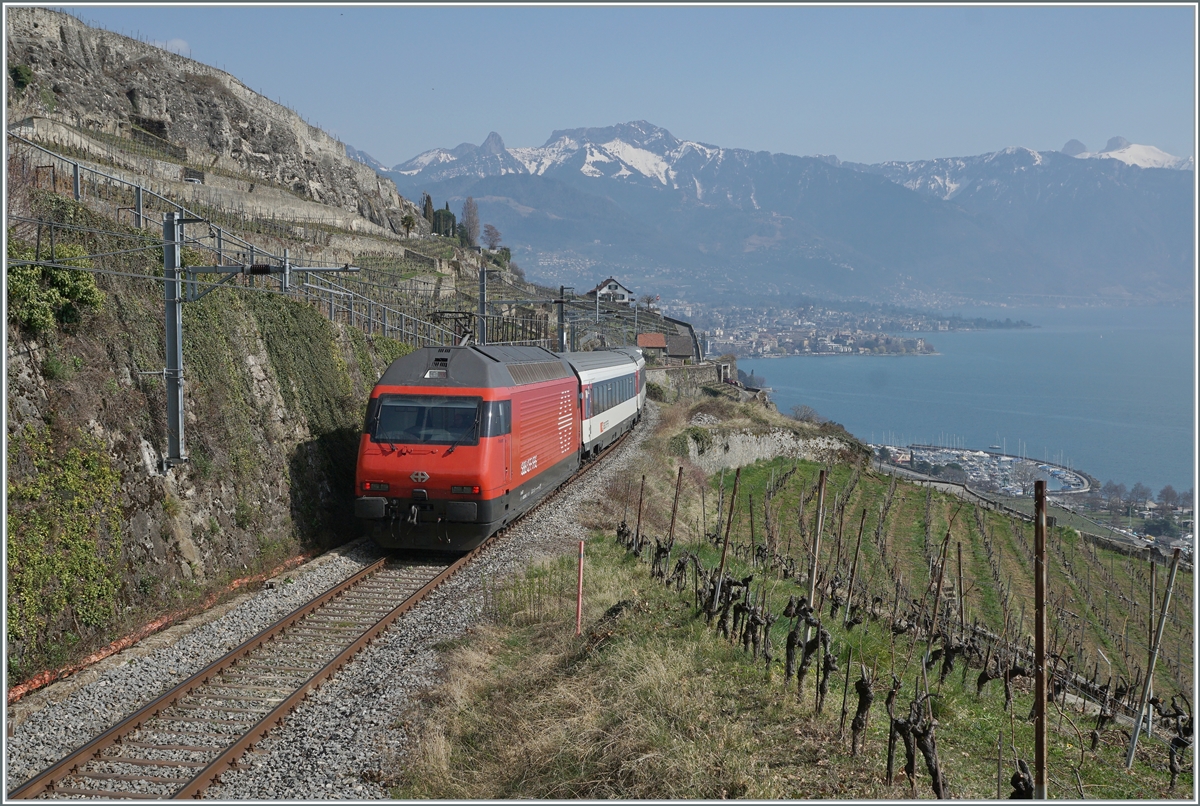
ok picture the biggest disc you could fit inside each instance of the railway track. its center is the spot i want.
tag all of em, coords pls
(180, 743)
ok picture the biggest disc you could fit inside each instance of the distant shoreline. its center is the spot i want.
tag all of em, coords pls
(832, 355)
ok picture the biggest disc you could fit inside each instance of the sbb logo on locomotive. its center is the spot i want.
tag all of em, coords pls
(528, 465)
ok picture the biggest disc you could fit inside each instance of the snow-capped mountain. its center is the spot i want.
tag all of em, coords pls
(365, 158)
(638, 201)
(1143, 156)
(998, 172)
(632, 151)
(489, 159)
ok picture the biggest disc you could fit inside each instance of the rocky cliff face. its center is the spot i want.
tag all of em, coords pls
(102, 81)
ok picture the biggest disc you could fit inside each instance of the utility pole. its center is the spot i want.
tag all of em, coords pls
(481, 337)
(173, 307)
(562, 332)
(173, 298)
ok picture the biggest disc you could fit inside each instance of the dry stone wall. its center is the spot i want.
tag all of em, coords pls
(684, 381)
(733, 449)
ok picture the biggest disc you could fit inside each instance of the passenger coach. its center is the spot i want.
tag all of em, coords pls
(613, 392)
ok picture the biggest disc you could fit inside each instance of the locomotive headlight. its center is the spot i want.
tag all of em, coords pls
(465, 490)
(375, 486)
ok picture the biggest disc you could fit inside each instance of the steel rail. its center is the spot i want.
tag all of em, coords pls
(70, 765)
(229, 758)
(46, 782)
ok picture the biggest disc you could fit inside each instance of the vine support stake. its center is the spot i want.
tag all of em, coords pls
(854, 568)
(962, 614)
(816, 550)
(1146, 686)
(675, 506)
(637, 532)
(1039, 632)
(725, 548)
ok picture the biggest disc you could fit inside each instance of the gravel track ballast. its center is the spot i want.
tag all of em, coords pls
(337, 742)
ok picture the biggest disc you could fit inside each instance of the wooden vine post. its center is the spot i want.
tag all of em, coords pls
(1149, 648)
(637, 533)
(962, 613)
(854, 568)
(816, 551)
(1039, 640)
(716, 600)
(1162, 620)
(675, 507)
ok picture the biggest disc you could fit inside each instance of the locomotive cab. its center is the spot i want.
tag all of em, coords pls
(458, 441)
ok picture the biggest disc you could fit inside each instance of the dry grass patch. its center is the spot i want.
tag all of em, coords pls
(651, 703)
(646, 704)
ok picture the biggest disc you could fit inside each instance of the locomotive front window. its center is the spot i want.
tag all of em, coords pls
(427, 420)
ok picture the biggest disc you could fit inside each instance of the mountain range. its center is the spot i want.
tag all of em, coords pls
(703, 222)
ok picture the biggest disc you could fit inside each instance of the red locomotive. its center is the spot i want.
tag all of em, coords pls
(459, 441)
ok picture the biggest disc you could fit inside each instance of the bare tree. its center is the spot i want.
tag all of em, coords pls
(1139, 495)
(1024, 473)
(491, 237)
(1168, 497)
(806, 414)
(470, 221)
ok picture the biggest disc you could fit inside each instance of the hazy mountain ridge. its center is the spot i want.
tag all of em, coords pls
(709, 219)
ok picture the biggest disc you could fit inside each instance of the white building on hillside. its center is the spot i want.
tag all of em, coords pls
(612, 291)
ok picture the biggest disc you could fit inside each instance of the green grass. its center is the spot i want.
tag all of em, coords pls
(655, 704)
(652, 703)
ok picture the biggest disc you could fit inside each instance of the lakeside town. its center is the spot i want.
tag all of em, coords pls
(821, 329)
(1136, 513)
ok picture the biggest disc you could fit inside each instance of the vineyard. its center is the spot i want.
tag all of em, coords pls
(909, 655)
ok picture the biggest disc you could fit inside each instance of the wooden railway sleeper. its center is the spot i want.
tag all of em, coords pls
(237, 695)
(177, 747)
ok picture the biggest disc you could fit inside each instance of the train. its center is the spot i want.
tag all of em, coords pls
(460, 441)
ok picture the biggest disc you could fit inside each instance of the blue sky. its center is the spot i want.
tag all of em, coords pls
(865, 83)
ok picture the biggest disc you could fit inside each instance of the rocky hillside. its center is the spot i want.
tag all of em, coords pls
(100, 539)
(100, 81)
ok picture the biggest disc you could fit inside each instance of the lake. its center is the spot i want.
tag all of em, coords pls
(1110, 391)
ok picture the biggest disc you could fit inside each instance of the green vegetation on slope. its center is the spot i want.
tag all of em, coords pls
(653, 702)
(98, 540)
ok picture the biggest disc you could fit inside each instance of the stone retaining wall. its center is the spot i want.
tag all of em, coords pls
(684, 381)
(732, 449)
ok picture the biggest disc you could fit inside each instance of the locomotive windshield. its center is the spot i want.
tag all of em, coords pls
(427, 420)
